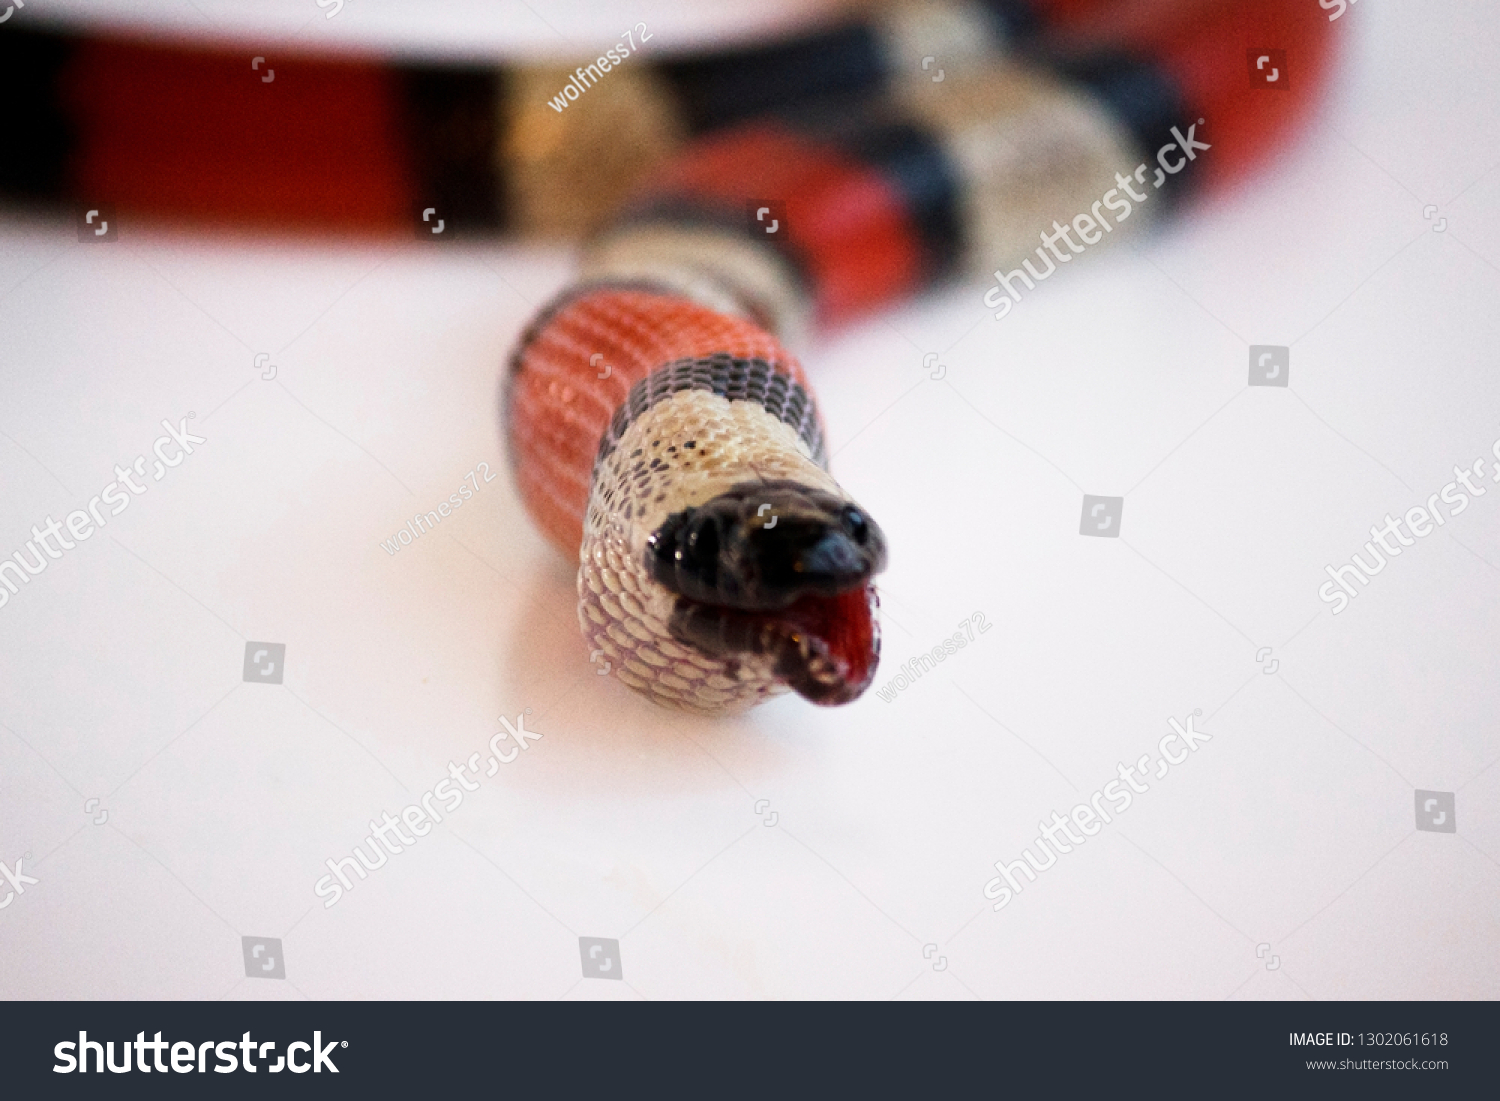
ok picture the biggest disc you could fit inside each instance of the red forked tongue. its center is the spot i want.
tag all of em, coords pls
(845, 627)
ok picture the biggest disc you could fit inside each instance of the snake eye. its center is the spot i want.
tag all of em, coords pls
(857, 525)
(684, 553)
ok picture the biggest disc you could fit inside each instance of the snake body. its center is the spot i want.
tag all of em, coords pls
(720, 563)
(659, 428)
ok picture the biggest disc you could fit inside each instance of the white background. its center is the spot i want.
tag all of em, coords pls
(120, 666)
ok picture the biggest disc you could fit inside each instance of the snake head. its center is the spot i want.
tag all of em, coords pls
(781, 569)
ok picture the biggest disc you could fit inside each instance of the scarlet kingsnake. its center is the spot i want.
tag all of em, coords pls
(719, 562)
(656, 423)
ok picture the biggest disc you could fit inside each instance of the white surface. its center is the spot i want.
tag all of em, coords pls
(1125, 375)
(434, 28)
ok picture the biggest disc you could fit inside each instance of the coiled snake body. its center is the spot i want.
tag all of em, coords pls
(659, 428)
(657, 425)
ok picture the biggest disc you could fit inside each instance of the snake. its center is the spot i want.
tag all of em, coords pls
(660, 429)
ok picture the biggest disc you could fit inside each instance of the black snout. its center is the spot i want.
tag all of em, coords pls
(762, 545)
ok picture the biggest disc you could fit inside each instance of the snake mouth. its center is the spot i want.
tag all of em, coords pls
(794, 586)
(829, 646)
(825, 648)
